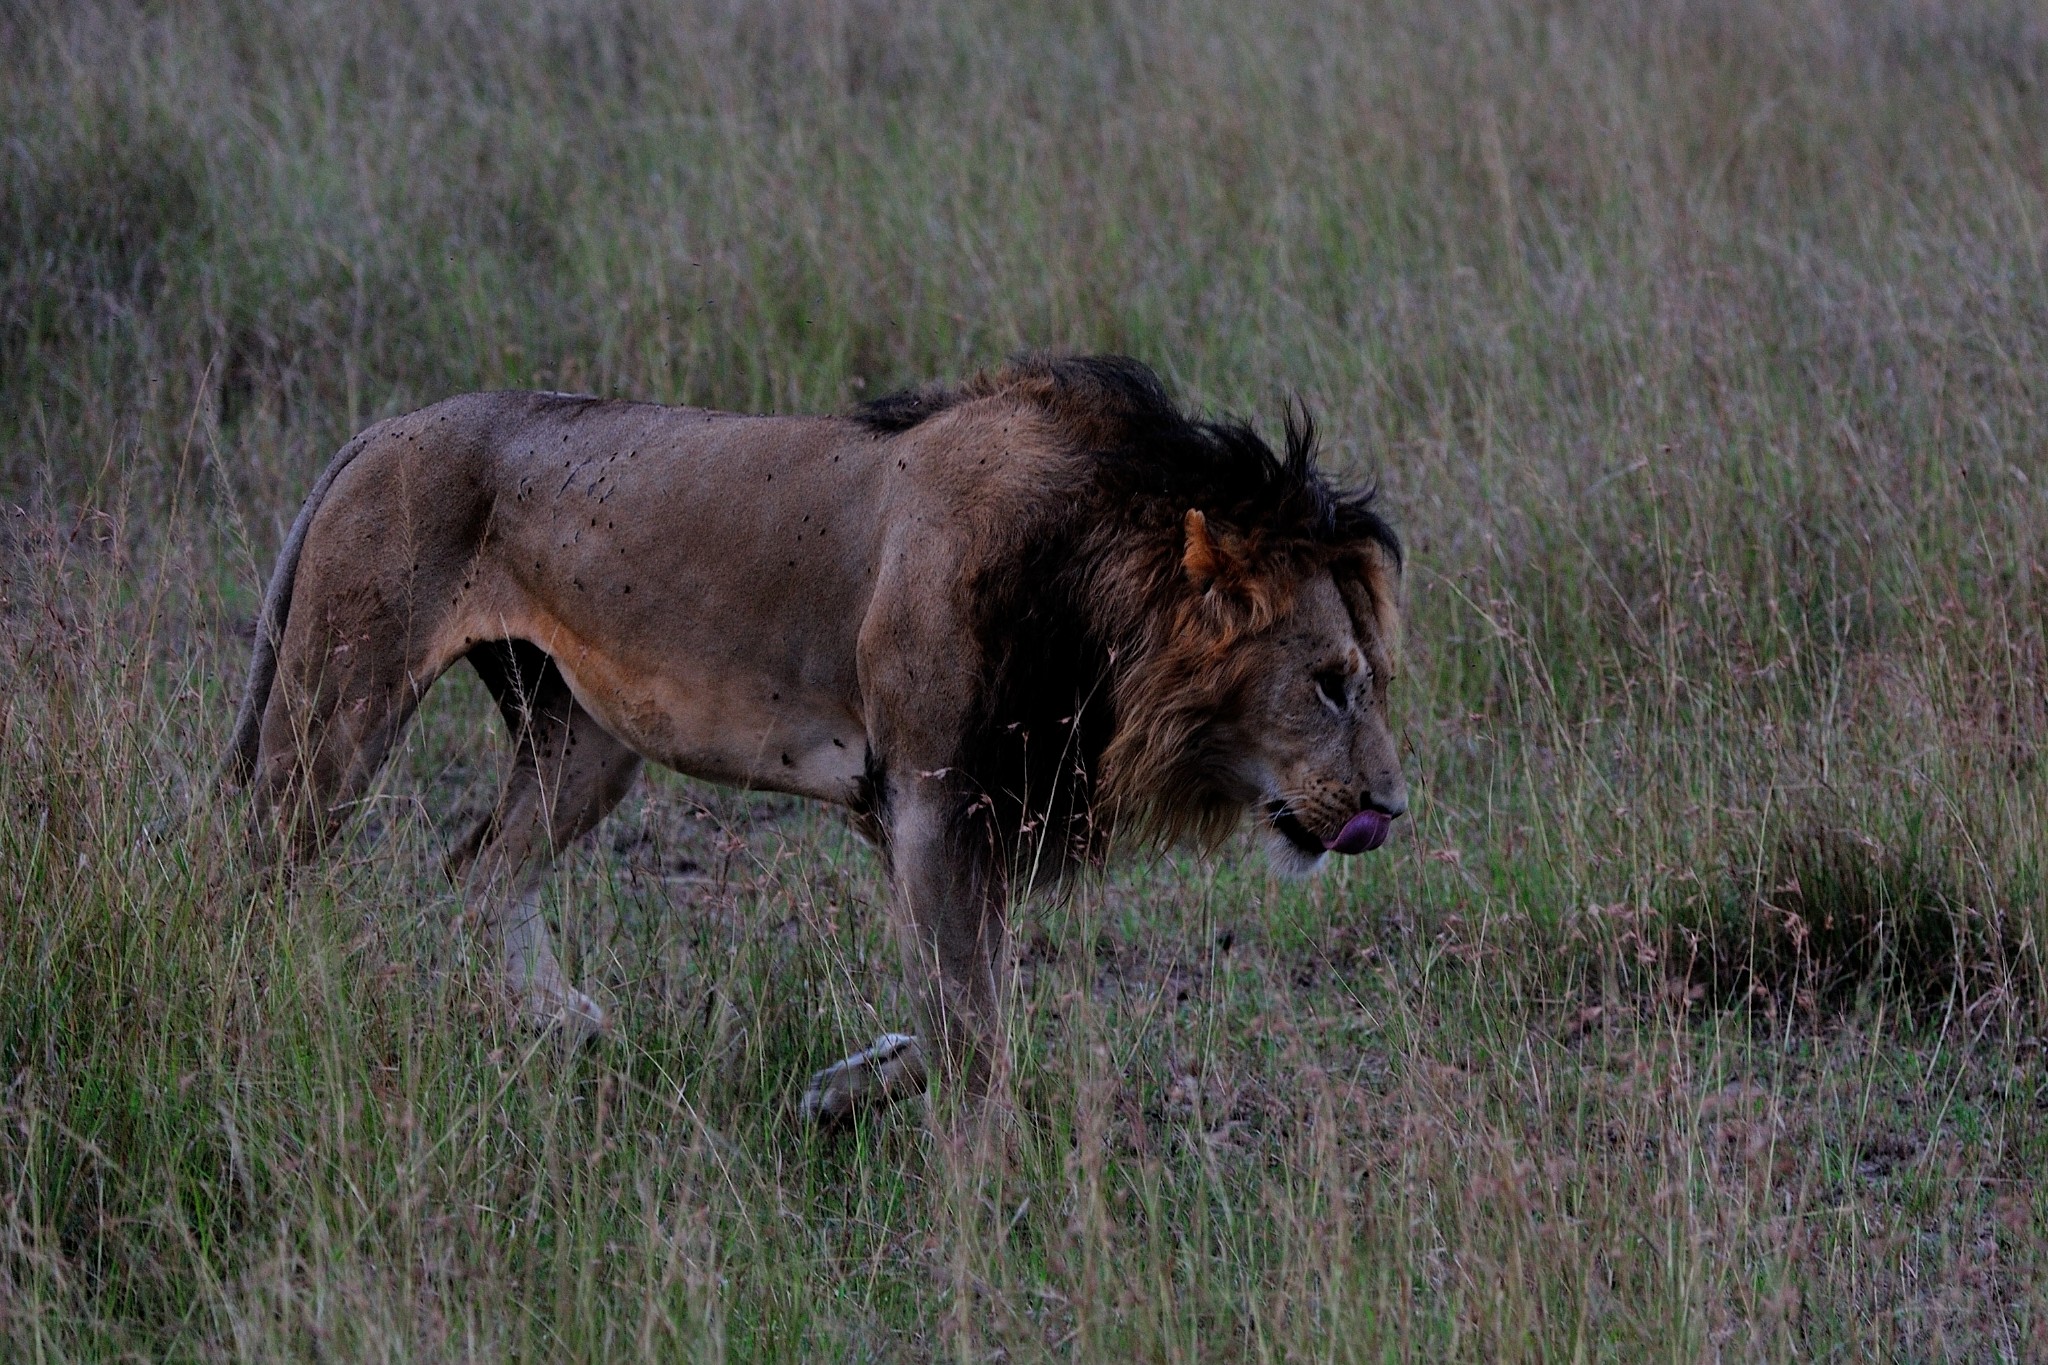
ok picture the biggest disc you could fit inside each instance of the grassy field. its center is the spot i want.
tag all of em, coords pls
(1700, 348)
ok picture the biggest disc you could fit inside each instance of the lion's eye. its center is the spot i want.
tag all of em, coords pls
(1331, 684)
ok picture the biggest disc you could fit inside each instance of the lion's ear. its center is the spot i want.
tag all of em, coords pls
(1199, 558)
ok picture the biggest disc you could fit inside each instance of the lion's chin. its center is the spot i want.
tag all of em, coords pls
(1292, 850)
(1289, 858)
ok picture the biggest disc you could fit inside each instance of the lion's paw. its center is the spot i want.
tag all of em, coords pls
(566, 1010)
(890, 1069)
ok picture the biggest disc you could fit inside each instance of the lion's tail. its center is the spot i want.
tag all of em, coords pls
(240, 760)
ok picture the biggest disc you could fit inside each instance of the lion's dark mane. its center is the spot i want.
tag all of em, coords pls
(1142, 449)
(1070, 603)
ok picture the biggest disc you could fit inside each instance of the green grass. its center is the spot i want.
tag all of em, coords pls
(1699, 351)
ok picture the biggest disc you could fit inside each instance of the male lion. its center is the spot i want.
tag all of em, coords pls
(998, 623)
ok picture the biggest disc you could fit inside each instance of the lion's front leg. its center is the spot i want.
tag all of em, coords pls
(948, 917)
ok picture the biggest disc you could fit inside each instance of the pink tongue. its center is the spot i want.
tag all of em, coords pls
(1362, 833)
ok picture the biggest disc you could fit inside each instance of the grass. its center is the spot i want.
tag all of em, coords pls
(1698, 349)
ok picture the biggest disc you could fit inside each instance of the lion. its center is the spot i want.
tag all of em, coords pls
(1004, 624)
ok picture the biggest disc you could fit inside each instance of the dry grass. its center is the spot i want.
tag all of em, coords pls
(1699, 349)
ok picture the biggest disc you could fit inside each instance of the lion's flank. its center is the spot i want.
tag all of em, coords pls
(1112, 619)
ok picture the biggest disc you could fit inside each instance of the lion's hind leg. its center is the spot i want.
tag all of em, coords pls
(349, 680)
(567, 773)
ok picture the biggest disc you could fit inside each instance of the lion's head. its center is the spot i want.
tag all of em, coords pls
(1301, 735)
(1265, 688)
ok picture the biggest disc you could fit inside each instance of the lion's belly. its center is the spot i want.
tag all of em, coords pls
(727, 725)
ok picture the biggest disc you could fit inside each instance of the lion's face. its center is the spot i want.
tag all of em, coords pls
(1314, 755)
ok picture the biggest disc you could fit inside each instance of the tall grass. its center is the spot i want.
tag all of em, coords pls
(1697, 346)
